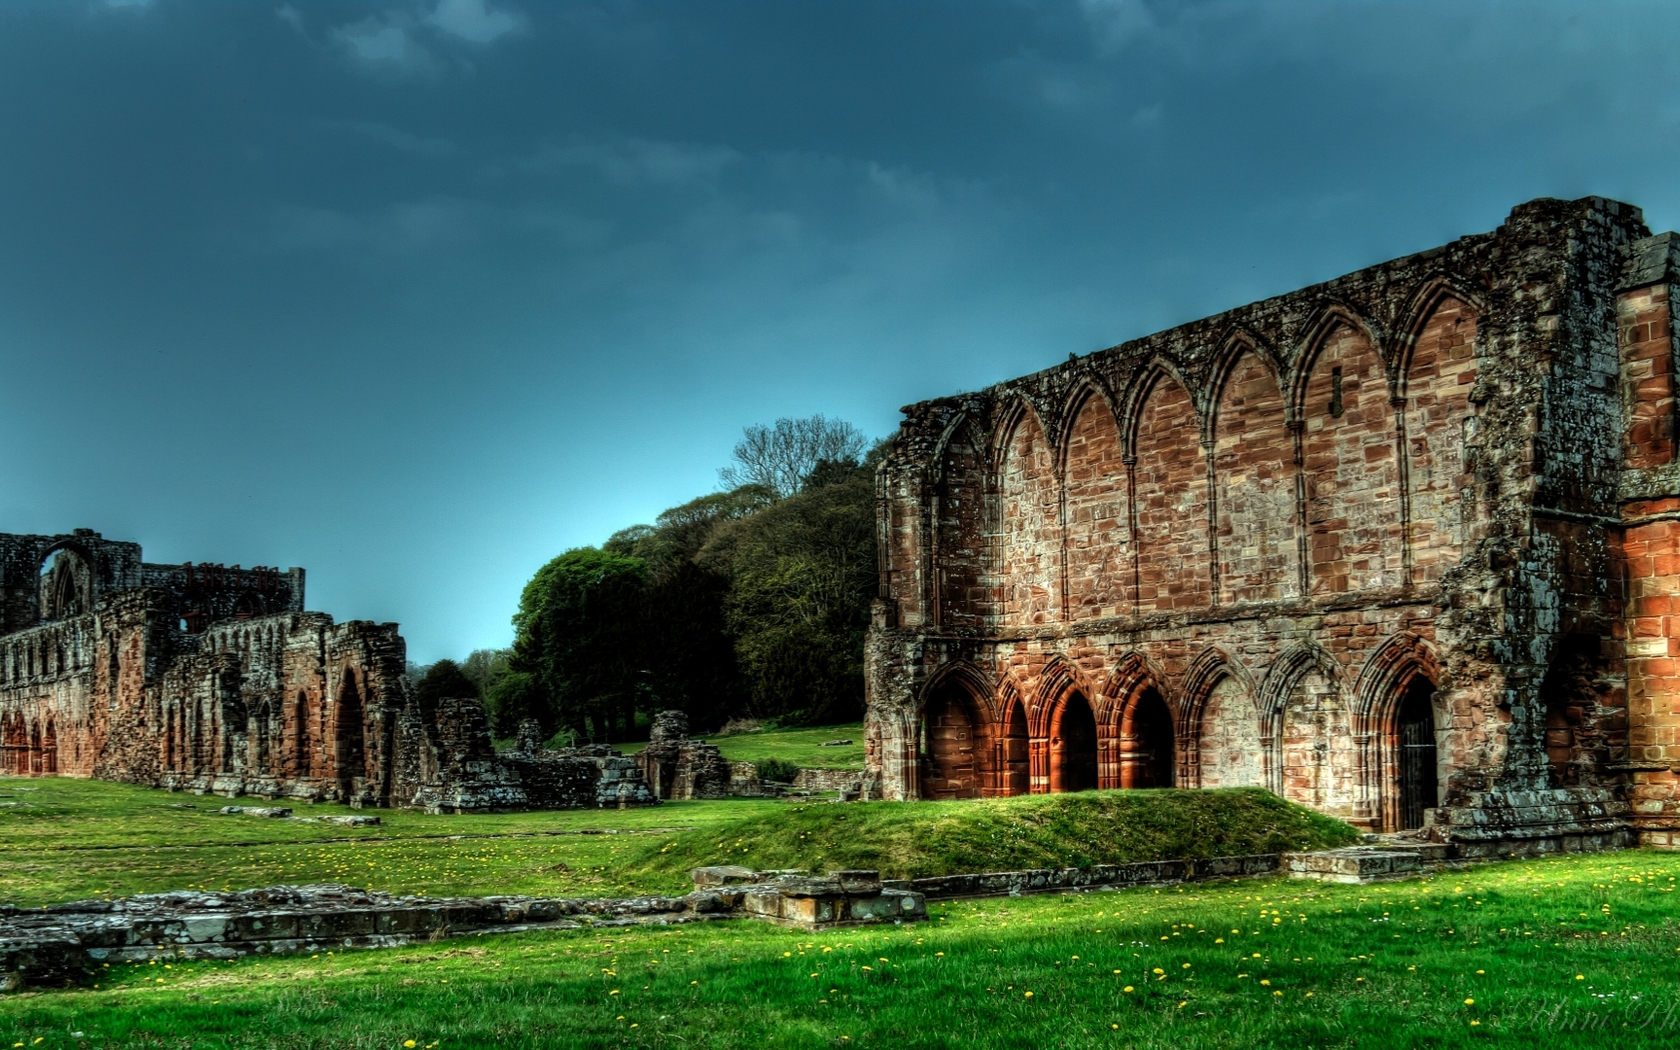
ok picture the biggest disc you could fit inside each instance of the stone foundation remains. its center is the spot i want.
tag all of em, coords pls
(213, 679)
(1403, 547)
(64, 942)
(677, 767)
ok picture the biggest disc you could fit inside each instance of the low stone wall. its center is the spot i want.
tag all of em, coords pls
(828, 779)
(1097, 876)
(61, 942)
(64, 942)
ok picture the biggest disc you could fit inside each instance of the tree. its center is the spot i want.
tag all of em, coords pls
(485, 666)
(579, 638)
(803, 573)
(780, 457)
(443, 681)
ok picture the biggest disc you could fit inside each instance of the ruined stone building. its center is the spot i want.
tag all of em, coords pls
(1401, 547)
(215, 679)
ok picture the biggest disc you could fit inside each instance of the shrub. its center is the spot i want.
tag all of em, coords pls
(779, 770)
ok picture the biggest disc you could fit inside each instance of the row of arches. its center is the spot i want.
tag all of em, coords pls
(1272, 484)
(28, 746)
(1366, 754)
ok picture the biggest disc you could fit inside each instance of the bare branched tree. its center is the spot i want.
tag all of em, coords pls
(780, 457)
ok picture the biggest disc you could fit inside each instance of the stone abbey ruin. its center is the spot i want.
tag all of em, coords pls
(1401, 547)
(214, 679)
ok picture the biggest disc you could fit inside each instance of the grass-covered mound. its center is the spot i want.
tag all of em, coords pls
(911, 840)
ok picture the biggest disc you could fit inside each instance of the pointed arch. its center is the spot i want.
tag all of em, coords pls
(1096, 506)
(1432, 292)
(1257, 526)
(955, 722)
(1055, 680)
(1316, 335)
(1138, 391)
(1011, 743)
(1029, 562)
(1170, 499)
(1293, 664)
(1396, 720)
(1436, 367)
(1307, 733)
(1237, 343)
(1350, 466)
(1085, 388)
(963, 526)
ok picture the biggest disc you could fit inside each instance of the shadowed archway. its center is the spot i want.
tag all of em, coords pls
(1073, 745)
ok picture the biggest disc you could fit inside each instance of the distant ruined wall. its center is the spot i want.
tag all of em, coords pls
(201, 678)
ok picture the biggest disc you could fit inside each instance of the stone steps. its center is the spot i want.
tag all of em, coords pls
(1373, 862)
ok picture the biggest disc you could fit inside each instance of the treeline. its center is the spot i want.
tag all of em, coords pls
(749, 602)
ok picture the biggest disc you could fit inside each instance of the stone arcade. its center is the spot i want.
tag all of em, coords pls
(1401, 547)
(215, 679)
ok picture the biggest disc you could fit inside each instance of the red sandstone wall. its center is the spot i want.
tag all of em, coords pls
(1352, 480)
(1647, 376)
(1099, 548)
(1254, 469)
(1443, 367)
(1172, 503)
(1031, 542)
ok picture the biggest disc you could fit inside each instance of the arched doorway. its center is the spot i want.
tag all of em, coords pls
(1015, 768)
(1073, 745)
(348, 731)
(1418, 790)
(1149, 732)
(948, 745)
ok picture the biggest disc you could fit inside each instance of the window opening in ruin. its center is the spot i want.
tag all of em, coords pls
(1418, 790)
(1017, 763)
(65, 580)
(250, 604)
(949, 747)
(1152, 742)
(1073, 746)
(1336, 391)
(1568, 695)
(348, 725)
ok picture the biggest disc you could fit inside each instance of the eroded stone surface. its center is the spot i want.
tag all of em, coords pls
(215, 680)
(1405, 541)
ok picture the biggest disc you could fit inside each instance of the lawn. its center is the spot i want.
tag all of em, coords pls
(65, 839)
(1579, 952)
(800, 745)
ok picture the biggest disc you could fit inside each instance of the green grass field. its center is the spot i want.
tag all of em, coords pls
(800, 745)
(66, 839)
(1578, 952)
(1573, 952)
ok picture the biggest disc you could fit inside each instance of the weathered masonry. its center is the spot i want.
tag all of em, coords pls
(1402, 547)
(215, 679)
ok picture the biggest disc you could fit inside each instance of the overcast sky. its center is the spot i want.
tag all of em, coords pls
(418, 295)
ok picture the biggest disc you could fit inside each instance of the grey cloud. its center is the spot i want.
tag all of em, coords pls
(473, 20)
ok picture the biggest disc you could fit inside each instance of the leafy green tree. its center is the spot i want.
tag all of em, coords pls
(443, 681)
(803, 572)
(579, 636)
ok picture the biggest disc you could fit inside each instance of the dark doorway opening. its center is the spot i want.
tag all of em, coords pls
(1417, 752)
(1073, 746)
(1152, 756)
(949, 746)
(349, 731)
(1017, 766)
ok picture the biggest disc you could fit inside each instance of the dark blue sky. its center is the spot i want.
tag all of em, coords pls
(419, 295)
